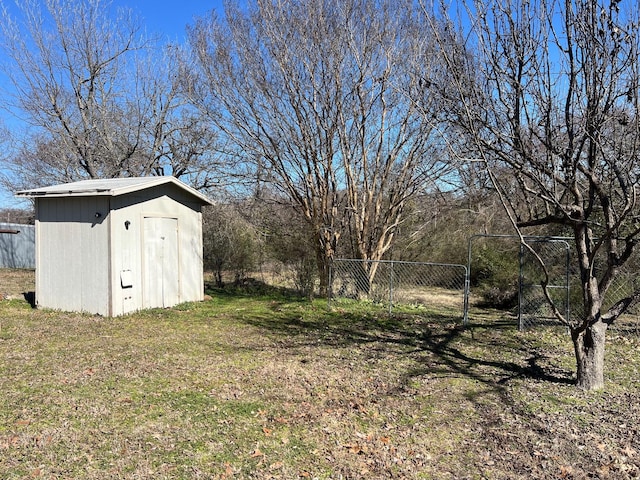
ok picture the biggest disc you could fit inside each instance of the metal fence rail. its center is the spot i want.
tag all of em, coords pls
(396, 283)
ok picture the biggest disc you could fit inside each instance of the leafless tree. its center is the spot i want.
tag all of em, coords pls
(547, 93)
(231, 244)
(324, 100)
(100, 100)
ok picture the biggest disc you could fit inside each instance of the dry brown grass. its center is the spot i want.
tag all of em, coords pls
(432, 297)
(15, 283)
(279, 388)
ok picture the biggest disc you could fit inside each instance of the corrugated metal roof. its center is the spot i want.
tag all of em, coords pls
(109, 187)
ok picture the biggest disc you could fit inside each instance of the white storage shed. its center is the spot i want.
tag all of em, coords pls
(115, 246)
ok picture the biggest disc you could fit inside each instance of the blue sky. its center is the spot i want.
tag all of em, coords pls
(167, 18)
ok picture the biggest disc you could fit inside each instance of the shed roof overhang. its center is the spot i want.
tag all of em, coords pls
(109, 187)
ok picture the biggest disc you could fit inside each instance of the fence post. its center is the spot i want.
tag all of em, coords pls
(330, 286)
(568, 280)
(520, 284)
(467, 282)
(465, 301)
(390, 287)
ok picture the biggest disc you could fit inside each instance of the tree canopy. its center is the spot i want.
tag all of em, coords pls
(324, 101)
(100, 99)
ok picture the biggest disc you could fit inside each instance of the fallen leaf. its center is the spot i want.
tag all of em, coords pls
(228, 471)
(604, 470)
(257, 453)
(629, 451)
(565, 471)
(356, 448)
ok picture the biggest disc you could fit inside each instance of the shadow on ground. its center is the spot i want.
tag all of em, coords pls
(490, 352)
(30, 298)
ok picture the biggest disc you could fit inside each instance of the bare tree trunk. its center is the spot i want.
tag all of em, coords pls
(323, 270)
(589, 345)
(325, 245)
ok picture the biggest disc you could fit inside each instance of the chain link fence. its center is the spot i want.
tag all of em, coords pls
(397, 284)
(534, 309)
(564, 280)
(625, 283)
(443, 290)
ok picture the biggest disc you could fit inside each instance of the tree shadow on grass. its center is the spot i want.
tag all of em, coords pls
(489, 352)
(526, 363)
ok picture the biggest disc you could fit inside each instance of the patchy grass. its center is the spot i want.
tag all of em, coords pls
(16, 283)
(275, 387)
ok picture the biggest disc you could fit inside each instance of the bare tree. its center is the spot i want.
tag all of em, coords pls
(322, 99)
(68, 65)
(547, 93)
(174, 139)
(99, 99)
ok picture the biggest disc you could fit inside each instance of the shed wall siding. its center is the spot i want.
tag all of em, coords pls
(128, 246)
(72, 246)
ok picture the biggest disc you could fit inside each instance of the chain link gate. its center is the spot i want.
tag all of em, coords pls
(534, 309)
(401, 283)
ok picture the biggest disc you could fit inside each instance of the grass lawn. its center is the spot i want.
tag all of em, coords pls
(258, 387)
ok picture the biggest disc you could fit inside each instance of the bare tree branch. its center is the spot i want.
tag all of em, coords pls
(547, 92)
(327, 97)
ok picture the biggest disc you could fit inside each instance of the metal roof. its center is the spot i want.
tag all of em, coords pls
(109, 187)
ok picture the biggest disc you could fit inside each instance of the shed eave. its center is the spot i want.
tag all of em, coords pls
(83, 188)
(68, 193)
(161, 180)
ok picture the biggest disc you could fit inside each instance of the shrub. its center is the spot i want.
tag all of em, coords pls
(495, 274)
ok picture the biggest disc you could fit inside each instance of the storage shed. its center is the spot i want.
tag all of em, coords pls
(114, 246)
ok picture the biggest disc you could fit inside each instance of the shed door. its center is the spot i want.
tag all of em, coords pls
(161, 267)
